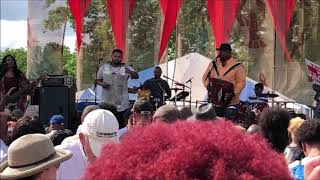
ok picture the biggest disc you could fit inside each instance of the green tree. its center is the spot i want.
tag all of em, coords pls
(69, 61)
(21, 57)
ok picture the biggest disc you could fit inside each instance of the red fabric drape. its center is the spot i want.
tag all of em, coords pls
(170, 9)
(119, 12)
(222, 14)
(281, 12)
(78, 9)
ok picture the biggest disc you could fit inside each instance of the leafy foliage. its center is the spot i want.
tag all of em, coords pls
(56, 19)
(68, 61)
(144, 33)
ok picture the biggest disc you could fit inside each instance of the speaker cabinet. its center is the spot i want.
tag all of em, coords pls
(57, 100)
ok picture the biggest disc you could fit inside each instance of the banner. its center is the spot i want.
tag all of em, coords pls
(222, 14)
(119, 12)
(45, 37)
(170, 10)
(78, 10)
(281, 12)
(313, 72)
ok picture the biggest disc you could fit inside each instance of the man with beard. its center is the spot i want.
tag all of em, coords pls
(228, 69)
(113, 77)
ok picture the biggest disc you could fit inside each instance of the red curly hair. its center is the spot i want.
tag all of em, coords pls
(189, 150)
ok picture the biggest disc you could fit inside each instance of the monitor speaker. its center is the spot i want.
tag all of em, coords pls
(57, 100)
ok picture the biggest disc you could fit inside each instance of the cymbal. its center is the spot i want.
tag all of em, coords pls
(180, 96)
(176, 89)
(179, 84)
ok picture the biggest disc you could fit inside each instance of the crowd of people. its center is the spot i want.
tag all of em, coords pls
(162, 144)
(116, 141)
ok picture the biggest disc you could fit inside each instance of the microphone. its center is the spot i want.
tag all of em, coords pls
(165, 77)
(189, 80)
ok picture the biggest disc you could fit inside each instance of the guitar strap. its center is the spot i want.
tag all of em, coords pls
(231, 68)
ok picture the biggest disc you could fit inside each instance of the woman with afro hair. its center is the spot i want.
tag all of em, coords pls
(274, 123)
(189, 150)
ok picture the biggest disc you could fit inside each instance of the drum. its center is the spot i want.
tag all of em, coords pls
(243, 107)
(260, 106)
(246, 115)
(156, 102)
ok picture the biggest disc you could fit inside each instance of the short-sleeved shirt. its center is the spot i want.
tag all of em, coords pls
(117, 78)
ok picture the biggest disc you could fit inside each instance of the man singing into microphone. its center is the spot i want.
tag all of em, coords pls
(227, 69)
(157, 87)
(113, 77)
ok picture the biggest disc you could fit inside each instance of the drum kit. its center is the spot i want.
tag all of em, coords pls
(248, 110)
(180, 94)
(157, 102)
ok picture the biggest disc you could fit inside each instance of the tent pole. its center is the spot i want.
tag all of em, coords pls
(274, 63)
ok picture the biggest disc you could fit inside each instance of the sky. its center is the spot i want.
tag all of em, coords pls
(13, 25)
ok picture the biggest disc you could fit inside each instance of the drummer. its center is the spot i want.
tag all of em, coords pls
(258, 96)
(158, 88)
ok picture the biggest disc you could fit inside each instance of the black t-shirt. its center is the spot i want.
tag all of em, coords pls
(155, 87)
(59, 135)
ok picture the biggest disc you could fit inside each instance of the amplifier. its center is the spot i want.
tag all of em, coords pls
(54, 80)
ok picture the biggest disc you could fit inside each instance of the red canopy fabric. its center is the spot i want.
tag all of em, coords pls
(78, 9)
(281, 12)
(222, 14)
(170, 9)
(119, 12)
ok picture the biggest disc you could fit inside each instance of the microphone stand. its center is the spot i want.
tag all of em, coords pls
(95, 82)
(163, 94)
(179, 84)
(214, 65)
(190, 81)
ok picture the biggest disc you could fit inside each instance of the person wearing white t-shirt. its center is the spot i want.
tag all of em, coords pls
(113, 77)
(99, 128)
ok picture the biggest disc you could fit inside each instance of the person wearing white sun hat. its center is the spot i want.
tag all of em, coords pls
(33, 156)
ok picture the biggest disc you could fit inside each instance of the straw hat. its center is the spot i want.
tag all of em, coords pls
(205, 112)
(30, 155)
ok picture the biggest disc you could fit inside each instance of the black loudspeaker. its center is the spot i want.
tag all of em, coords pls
(57, 100)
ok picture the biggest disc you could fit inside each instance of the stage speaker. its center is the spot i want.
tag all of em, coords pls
(57, 100)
